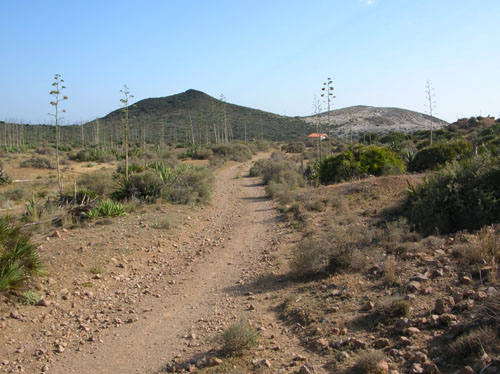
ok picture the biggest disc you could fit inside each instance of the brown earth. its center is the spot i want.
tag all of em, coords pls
(152, 290)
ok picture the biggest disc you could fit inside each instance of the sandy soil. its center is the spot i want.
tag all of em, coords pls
(156, 297)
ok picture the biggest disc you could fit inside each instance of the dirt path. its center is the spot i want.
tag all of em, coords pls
(222, 248)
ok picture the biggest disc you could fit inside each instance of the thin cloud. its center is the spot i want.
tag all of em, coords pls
(368, 2)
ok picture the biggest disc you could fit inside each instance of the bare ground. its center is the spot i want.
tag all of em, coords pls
(160, 297)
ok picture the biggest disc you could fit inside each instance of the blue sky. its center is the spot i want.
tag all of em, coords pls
(272, 55)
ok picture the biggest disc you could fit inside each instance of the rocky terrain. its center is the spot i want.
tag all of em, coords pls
(364, 119)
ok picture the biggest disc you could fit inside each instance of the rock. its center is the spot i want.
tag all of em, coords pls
(321, 343)
(413, 286)
(419, 278)
(426, 291)
(5, 362)
(358, 343)
(437, 273)
(369, 305)
(342, 355)
(401, 324)
(465, 305)
(43, 302)
(381, 343)
(404, 341)
(412, 331)
(45, 368)
(430, 368)
(215, 361)
(420, 357)
(57, 234)
(447, 318)
(306, 369)
(416, 368)
(382, 367)
(15, 315)
(466, 370)
(465, 280)
(441, 306)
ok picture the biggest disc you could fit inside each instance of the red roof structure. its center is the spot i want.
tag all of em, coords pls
(315, 135)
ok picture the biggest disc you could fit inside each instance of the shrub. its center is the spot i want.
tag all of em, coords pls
(4, 178)
(37, 163)
(18, 258)
(359, 160)
(92, 154)
(202, 154)
(308, 258)
(107, 208)
(144, 186)
(101, 184)
(464, 195)
(28, 298)
(232, 151)
(239, 337)
(370, 362)
(295, 147)
(470, 346)
(437, 155)
(189, 185)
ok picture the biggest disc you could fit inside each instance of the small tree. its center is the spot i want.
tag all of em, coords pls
(58, 98)
(125, 120)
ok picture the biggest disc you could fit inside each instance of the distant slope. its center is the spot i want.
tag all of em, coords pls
(174, 116)
(374, 119)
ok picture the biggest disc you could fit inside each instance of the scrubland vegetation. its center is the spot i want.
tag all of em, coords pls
(392, 258)
(398, 240)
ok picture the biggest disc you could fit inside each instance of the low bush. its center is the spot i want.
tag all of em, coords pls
(239, 337)
(4, 178)
(359, 160)
(463, 195)
(473, 344)
(232, 151)
(202, 154)
(37, 163)
(92, 155)
(106, 208)
(101, 184)
(184, 184)
(28, 298)
(19, 259)
(437, 155)
(370, 362)
(309, 257)
(295, 147)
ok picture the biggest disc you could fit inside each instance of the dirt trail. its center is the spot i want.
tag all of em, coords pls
(221, 249)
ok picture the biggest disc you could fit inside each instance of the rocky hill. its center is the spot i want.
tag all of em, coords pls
(364, 119)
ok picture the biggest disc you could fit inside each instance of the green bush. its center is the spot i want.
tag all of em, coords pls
(37, 163)
(295, 147)
(202, 154)
(144, 186)
(463, 195)
(101, 184)
(19, 259)
(106, 208)
(359, 160)
(232, 151)
(92, 155)
(239, 337)
(189, 185)
(437, 155)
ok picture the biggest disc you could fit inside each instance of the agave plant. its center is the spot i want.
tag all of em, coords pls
(19, 259)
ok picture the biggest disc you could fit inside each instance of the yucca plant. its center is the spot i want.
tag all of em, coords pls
(19, 259)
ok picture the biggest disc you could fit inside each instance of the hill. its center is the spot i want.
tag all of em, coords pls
(364, 119)
(196, 115)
